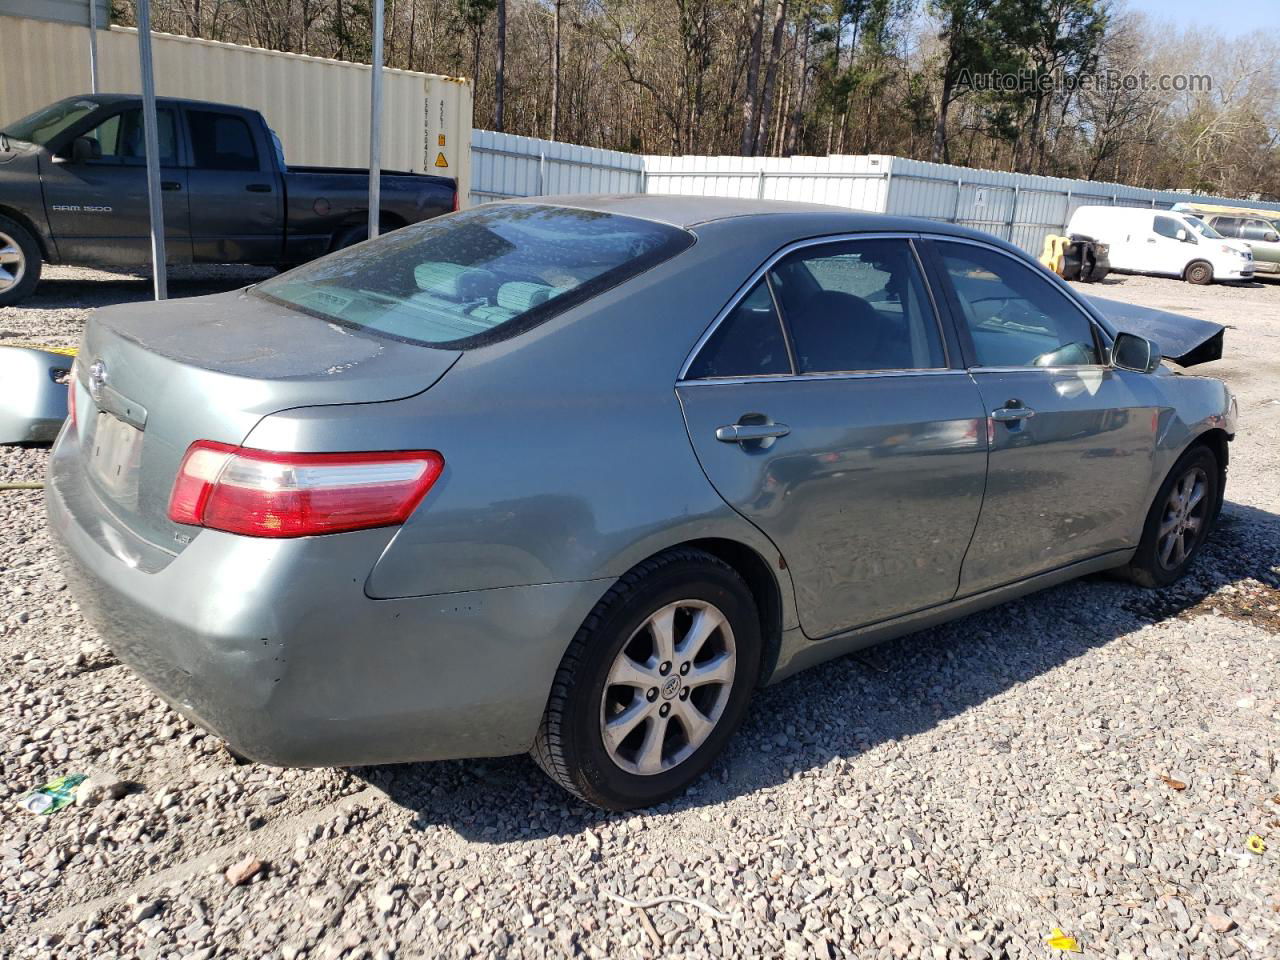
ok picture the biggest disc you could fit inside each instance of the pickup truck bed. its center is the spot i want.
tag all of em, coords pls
(73, 190)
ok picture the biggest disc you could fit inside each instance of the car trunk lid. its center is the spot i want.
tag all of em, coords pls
(154, 377)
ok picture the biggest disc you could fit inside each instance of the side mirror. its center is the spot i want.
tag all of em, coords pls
(1271, 237)
(83, 149)
(1131, 352)
(1181, 235)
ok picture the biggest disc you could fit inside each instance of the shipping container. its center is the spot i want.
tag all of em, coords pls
(319, 107)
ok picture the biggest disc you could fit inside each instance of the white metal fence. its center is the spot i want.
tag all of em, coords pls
(1019, 207)
(504, 165)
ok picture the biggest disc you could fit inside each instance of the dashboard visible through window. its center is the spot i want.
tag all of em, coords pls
(1016, 318)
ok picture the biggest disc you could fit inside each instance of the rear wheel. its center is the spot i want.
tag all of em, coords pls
(1199, 272)
(359, 234)
(1179, 520)
(20, 262)
(653, 684)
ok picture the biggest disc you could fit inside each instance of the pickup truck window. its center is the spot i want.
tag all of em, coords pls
(221, 141)
(43, 125)
(476, 277)
(120, 139)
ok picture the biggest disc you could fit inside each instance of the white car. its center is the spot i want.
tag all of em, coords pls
(1163, 242)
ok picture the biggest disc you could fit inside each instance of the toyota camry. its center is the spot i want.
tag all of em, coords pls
(576, 476)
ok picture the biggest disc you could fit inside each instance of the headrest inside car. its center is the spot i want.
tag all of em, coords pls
(521, 296)
(454, 281)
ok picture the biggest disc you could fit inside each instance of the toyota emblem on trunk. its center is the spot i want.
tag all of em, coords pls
(97, 379)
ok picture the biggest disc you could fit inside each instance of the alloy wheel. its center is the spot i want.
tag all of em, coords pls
(13, 263)
(1183, 519)
(668, 687)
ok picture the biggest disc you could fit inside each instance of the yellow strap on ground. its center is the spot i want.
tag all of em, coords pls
(64, 351)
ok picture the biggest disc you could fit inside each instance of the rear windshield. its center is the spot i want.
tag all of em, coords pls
(478, 276)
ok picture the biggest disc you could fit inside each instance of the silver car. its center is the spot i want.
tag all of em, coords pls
(578, 475)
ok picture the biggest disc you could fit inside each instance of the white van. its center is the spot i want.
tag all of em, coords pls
(1159, 241)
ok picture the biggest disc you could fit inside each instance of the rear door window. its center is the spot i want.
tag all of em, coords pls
(221, 141)
(747, 343)
(479, 276)
(857, 305)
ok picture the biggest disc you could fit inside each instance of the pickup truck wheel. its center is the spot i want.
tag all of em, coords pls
(359, 234)
(20, 262)
(1199, 272)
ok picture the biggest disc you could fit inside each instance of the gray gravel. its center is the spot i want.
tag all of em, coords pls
(1092, 758)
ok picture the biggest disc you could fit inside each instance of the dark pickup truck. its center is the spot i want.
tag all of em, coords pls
(73, 189)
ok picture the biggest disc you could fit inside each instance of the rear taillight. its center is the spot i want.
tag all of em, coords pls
(71, 395)
(263, 494)
(457, 201)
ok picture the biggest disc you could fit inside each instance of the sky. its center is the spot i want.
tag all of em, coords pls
(1230, 19)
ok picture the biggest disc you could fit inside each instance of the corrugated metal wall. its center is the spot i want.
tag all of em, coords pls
(319, 107)
(1019, 207)
(857, 182)
(504, 165)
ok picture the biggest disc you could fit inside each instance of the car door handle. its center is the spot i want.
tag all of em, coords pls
(743, 432)
(170, 185)
(1011, 414)
(259, 188)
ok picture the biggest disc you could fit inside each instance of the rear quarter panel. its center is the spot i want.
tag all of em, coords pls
(323, 201)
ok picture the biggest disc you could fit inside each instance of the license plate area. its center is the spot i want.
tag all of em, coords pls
(115, 457)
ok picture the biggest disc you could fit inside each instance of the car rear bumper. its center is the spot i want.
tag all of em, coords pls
(274, 646)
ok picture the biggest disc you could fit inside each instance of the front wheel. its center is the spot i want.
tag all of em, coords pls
(1179, 520)
(1199, 272)
(653, 684)
(20, 262)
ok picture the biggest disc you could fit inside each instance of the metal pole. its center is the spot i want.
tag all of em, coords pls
(93, 46)
(375, 123)
(151, 141)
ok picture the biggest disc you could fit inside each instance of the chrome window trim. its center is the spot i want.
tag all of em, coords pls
(763, 269)
(843, 375)
(1069, 295)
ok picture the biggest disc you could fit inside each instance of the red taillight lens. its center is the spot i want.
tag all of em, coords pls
(457, 201)
(263, 494)
(71, 395)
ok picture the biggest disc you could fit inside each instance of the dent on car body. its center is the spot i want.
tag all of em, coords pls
(1185, 340)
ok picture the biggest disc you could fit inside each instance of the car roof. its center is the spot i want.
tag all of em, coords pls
(108, 99)
(687, 211)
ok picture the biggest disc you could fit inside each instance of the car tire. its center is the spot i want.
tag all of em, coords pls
(1199, 272)
(20, 262)
(358, 234)
(1165, 551)
(604, 719)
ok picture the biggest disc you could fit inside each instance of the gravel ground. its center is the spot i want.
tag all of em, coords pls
(1093, 758)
